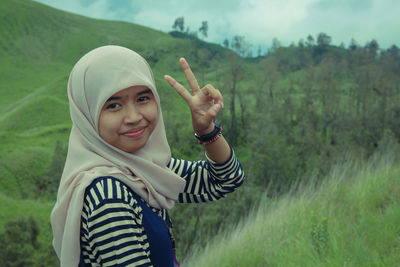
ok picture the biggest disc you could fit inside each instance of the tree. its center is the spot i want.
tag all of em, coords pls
(301, 43)
(259, 51)
(275, 44)
(235, 71)
(204, 28)
(353, 45)
(240, 46)
(226, 43)
(394, 51)
(179, 24)
(310, 40)
(372, 48)
(323, 39)
(233, 77)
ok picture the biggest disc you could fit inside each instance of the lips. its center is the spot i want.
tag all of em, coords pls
(134, 133)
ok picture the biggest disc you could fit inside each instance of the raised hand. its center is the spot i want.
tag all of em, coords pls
(204, 103)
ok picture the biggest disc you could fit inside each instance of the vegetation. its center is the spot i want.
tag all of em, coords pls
(291, 114)
(351, 219)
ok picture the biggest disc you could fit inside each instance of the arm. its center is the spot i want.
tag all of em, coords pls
(218, 151)
(208, 180)
(222, 173)
(204, 104)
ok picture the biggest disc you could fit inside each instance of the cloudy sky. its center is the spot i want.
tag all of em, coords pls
(259, 21)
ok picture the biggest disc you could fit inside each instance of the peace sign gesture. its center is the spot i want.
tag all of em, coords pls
(204, 103)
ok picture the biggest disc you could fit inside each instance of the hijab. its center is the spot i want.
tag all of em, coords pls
(96, 77)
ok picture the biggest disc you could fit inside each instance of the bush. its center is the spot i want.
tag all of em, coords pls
(18, 242)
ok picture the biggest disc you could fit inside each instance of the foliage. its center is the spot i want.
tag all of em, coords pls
(204, 28)
(26, 220)
(319, 234)
(330, 224)
(18, 243)
(179, 24)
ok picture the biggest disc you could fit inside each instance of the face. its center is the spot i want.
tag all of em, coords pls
(128, 118)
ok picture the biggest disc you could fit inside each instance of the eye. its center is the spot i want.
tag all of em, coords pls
(113, 106)
(143, 98)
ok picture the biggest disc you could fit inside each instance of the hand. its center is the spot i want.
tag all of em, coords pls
(204, 103)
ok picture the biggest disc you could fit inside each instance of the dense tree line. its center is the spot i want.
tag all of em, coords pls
(306, 106)
(298, 112)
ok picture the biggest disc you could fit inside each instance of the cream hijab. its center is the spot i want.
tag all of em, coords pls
(96, 76)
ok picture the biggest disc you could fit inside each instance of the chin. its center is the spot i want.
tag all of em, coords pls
(132, 149)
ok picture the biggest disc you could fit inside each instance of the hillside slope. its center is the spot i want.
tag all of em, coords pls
(351, 220)
(38, 48)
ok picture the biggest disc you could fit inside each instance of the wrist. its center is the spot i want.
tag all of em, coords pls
(210, 137)
(206, 131)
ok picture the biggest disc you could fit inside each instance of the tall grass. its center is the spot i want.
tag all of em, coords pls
(350, 219)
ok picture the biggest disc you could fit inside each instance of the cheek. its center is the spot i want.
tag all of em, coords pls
(153, 114)
(108, 126)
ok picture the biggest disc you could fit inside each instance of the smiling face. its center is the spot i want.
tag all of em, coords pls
(128, 118)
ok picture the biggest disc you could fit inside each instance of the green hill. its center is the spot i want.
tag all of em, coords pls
(352, 219)
(38, 47)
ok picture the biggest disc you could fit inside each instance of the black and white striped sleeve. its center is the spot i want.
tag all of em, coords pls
(208, 180)
(112, 233)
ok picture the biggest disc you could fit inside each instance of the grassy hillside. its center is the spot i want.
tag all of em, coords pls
(38, 47)
(352, 219)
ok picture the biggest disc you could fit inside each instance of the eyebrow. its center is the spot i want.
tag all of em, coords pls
(144, 92)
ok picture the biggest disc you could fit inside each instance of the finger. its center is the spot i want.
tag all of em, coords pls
(180, 89)
(213, 94)
(213, 112)
(194, 86)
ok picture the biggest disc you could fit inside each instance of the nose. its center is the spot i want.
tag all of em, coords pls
(132, 115)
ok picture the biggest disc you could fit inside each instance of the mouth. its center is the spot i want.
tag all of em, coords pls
(134, 133)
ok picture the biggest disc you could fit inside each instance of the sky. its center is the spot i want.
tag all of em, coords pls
(258, 21)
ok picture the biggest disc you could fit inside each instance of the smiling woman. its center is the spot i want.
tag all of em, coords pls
(119, 179)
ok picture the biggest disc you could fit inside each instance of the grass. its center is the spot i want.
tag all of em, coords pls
(351, 219)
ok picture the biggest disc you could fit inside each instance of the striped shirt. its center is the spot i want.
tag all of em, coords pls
(112, 231)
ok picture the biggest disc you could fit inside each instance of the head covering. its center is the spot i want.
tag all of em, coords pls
(96, 77)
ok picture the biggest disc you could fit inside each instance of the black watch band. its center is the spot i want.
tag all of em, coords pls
(209, 136)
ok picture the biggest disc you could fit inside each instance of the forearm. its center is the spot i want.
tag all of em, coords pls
(208, 180)
(218, 151)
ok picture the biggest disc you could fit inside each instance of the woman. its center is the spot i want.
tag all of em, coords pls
(119, 179)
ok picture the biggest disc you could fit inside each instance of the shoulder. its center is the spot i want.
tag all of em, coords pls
(109, 191)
